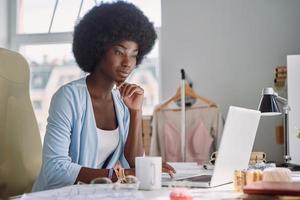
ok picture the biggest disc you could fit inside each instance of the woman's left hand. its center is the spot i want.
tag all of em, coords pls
(132, 96)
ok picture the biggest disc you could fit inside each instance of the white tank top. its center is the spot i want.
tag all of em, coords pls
(107, 142)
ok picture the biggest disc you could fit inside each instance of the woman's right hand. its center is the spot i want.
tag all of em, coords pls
(168, 169)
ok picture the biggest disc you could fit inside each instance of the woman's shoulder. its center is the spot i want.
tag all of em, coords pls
(76, 84)
(74, 88)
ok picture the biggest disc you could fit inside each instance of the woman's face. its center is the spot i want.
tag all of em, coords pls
(119, 61)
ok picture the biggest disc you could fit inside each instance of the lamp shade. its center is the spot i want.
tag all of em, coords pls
(268, 104)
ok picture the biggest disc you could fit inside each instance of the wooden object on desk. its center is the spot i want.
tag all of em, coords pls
(255, 157)
(273, 188)
(258, 156)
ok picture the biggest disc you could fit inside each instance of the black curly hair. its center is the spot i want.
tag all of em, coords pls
(107, 24)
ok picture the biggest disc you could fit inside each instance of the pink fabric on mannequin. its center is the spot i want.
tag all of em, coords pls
(198, 146)
(204, 126)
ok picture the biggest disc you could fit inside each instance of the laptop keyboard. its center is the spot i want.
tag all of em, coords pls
(200, 178)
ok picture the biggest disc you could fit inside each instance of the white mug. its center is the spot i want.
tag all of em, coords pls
(148, 172)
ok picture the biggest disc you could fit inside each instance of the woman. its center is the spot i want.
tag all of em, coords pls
(93, 124)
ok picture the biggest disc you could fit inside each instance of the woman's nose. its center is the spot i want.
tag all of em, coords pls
(127, 61)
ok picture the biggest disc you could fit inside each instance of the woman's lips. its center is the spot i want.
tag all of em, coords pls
(123, 74)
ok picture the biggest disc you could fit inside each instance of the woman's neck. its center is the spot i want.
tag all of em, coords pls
(99, 86)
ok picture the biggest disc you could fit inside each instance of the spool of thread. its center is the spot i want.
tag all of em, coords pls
(253, 176)
(239, 180)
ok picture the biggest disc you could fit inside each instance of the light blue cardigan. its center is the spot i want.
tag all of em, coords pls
(71, 136)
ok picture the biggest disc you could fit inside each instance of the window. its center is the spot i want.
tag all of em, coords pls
(49, 53)
(35, 16)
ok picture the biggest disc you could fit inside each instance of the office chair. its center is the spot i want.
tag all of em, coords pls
(20, 142)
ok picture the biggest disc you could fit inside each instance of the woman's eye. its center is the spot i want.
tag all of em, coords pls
(118, 52)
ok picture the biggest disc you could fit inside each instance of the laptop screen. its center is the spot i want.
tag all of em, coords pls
(236, 143)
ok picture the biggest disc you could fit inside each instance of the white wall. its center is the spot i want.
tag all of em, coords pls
(293, 100)
(3, 23)
(230, 49)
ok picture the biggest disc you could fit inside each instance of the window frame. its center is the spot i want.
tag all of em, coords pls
(16, 40)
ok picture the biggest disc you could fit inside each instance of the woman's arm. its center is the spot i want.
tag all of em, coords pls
(133, 98)
(57, 169)
(86, 175)
(134, 143)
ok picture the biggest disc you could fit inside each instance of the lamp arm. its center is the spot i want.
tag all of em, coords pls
(283, 101)
(286, 108)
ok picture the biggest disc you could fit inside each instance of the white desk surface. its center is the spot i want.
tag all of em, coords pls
(91, 192)
(221, 192)
(72, 193)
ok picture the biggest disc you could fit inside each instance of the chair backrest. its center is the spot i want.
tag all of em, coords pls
(20, 142)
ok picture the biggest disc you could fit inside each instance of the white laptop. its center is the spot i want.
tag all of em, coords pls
(233, 154)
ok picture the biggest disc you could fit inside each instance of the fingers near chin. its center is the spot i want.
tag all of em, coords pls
(133, 89)
(124, 89)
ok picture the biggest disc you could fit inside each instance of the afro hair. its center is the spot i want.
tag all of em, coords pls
(107, 24)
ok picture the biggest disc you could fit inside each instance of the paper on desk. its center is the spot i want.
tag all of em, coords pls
(85, 192)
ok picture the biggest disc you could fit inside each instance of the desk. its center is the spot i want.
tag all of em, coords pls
(221, 192)
(71, 192)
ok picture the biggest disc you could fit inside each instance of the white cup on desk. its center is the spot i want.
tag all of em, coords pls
(148, 172)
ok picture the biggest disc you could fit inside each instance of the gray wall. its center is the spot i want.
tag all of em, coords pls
(3, 23)
(230, 49)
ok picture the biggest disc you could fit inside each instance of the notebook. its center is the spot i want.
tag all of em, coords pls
(233, 153)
